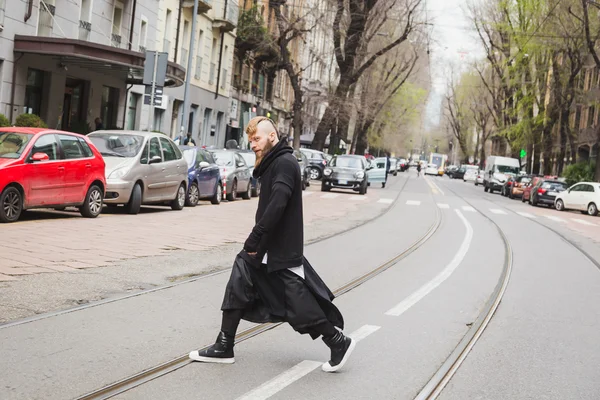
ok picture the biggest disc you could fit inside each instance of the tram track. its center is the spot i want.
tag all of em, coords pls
(168, 367)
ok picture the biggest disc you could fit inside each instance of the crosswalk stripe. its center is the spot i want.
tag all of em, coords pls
(468, 208)
(583, 222)
(386, 201)
(442, 205)
(330, 196)
(553, 218)
(413, 202)
(526, 215)
(497, 211)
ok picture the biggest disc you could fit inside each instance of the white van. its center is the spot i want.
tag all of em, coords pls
(497, 171)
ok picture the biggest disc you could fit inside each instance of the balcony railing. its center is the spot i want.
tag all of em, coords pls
(46, 20)
(203, 5)
(115, 40)
(230, 21)
(183, 60)
(198, 72)
(167, 46)
(211, 76)
(85, 28)
(142, 49)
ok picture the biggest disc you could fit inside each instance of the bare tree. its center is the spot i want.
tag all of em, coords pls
(457, 119)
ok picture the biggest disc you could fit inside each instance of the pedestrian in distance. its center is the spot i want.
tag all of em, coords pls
(271, 280)
(418, 169)
(387, 168)
(189, 140)
(99, 124)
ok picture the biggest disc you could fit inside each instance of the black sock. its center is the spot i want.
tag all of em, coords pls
(231, 320)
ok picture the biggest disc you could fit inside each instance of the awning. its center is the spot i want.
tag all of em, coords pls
(97, 57)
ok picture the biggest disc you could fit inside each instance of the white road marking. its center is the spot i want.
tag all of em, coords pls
(583, 222)
(468, 208)
(553, 218)
(330, 196)
(497, 211)
(417, 296)
(358, 198)
(413, 202)
(442, 205)
(526, 215)
(281, 381)
(385, 201)
(306, 193)
(290, 376)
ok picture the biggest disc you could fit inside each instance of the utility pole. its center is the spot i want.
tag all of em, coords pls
(186, 94)
(151, 109)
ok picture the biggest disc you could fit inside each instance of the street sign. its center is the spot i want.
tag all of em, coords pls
(523, 153)
(161, 68)
(158, 95)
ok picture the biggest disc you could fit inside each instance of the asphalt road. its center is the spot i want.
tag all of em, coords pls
(541, 343)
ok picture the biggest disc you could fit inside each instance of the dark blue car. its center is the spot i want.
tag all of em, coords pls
(203, 176)
(250, 158)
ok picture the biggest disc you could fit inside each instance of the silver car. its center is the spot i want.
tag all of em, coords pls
(142, 168)
(235, 174)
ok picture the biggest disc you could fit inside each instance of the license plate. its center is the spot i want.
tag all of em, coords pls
(553, 194)
(343, 182)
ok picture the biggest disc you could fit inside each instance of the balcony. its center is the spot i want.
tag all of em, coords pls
(183, 58)
(198, 72)
(115, 40)
(230, 21)
(85, 29)
(212, 72)
(203, 5)
(166, 46)
(142, 49)
(46, 20)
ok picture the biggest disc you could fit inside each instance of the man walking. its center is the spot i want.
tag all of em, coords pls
(271, 281)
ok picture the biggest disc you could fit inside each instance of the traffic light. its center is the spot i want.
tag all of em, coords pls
(523, 153)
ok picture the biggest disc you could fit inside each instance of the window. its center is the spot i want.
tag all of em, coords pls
(591, 114)
(144, 155)
(168, 151)
(109, 107)
(47, 144)
(70, 147)
(117, 19)
(143, 33)
(34, 90)
(577, 188)
(132, 110)
(589, 188)
(154, 148)
(167, 40)
(86, 149)
(159, 115)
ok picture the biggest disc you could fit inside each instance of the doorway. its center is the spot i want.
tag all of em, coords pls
(73, 106)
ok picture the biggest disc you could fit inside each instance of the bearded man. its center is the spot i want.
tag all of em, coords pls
(271, 281)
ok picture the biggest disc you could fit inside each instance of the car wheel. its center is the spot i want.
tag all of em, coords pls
(135, 201)
(11, 204)
(179, 201)
(233, 195)
(592, 209)
(256, 190)
(559, 205)
(216, 199)
(315, 174)
(248, 192)
(92, 205)
(363, 189)
(193, 196)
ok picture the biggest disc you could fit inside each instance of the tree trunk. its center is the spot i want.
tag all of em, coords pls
(362, 141)
(529, 158)
(547, 138)
(564, 126)
(297, 119)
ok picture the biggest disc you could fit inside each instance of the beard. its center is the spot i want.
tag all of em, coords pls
(263, 153)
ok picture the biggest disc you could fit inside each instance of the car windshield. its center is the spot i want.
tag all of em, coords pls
(190, 157)
(117, 145)
(12, 144)
(506, 169)
(250, 158)
(555, 186)
(346, 162)
(223, 158)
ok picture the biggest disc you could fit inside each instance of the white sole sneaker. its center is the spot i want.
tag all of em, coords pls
(328, 368)
(195, 355)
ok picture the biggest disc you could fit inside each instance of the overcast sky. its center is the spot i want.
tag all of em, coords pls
(453, 42)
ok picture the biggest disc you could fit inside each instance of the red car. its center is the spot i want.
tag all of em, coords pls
(526, 196)
(42, 168)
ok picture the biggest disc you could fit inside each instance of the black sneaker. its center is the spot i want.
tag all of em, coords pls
(341, 347)
(221, 352)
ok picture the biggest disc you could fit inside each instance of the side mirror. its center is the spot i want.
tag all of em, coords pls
(241, 164)
(155, 160)
(203, 164)
(37, 157)
(299, 159)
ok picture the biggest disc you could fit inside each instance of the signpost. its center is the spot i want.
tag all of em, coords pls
(155, 73)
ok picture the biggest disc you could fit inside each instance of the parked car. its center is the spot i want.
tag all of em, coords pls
(515, 189)
(250, 159)
(303, 161)
(317, 161)
(235, 174)
(346, 172)
(431, 169)
(142, 168)
(451, 170)
(528, 187)
(583, 196)
(497, 170)
(204, 176)
(479, 178)
(460, 173)
(402, 164)
(43, 168)
(545, 192)
(470, 174)
(376, 171)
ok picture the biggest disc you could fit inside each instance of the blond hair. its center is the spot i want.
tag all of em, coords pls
(253, 126)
